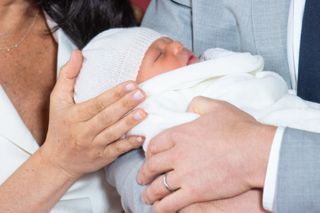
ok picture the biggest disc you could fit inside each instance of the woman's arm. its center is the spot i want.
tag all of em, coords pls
(82, 138)
(35, 187)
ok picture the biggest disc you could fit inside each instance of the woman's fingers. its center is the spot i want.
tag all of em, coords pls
(158, 190)
(116, 131)
(116, 111)
(92, 107)
(63, 90)
(114, 150)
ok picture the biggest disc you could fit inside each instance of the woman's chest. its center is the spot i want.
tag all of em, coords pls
(28, 75)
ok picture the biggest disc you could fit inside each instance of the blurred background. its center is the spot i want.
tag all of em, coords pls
(139, 8)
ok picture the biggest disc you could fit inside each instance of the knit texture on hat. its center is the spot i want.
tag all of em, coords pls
(112, 57)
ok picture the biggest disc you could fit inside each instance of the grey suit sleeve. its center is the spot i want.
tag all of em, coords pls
(298, 183)
(122, 174)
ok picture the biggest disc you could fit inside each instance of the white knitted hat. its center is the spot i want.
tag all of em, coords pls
(112, 57)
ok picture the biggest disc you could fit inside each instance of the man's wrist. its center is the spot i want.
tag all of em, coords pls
(262, 146)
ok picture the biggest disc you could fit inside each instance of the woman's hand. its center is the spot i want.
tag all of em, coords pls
(85, 137)
(221, 154)
(250, 201)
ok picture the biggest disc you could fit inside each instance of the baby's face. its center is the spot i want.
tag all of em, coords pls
(162, 56)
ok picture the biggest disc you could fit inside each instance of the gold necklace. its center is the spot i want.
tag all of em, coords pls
(21, 40)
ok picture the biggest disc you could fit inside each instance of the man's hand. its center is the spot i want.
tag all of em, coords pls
(247, 202)
(221, 154)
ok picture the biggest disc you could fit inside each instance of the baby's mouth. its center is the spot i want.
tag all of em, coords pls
(192, 59)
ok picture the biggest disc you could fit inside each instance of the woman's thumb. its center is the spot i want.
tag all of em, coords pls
(64, 87)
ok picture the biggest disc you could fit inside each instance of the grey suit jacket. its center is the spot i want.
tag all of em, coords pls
(256, 26)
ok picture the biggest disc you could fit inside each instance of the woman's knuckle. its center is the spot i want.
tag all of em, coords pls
(117, 94)
(110, 136)
(131, 141)
(126, 103)
(118, 150)
(99, 104)
(105, 118)
(130, 121)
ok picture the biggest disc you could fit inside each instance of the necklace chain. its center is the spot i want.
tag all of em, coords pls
(21, 40)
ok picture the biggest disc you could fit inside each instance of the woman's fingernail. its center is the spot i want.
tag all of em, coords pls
(138, 95)
(140, 139)
(138, 115)
(130, 87)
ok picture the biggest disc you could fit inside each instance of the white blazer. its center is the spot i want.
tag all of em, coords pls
(91, 193)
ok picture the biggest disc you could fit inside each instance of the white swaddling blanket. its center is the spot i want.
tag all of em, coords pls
(234, 77)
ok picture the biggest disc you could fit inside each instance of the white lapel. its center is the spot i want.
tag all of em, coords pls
(12, 127)
(64, 50)
(65, 45)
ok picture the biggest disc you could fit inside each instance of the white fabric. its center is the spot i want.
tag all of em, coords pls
(235, 77)
(117, 53)
(269, 189)
(293, 46)
(91, 193)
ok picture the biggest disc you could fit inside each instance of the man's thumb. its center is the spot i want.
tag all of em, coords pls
(201, 105)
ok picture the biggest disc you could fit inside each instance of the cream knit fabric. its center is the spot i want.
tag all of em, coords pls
(112, 57)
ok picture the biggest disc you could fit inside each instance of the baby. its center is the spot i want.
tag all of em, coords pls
(146, 56)
(141, 54)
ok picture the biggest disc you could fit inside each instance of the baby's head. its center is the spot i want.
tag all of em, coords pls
(123, 54)
(164, 55)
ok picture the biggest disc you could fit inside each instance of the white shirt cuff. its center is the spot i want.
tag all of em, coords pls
(270, 184)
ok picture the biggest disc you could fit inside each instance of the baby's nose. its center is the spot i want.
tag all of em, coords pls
(175, 46)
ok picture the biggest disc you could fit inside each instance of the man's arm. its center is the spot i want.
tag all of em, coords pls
(221, 154)
(298, 181)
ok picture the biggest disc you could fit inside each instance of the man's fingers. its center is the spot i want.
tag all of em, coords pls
(160, 143)
(116, 131)
(155, 166)
(174, 202)
(63, 91)
(158, 190)
(92, 107)
(202, 105)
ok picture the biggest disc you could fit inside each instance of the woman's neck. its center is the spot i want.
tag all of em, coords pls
(15, 13)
